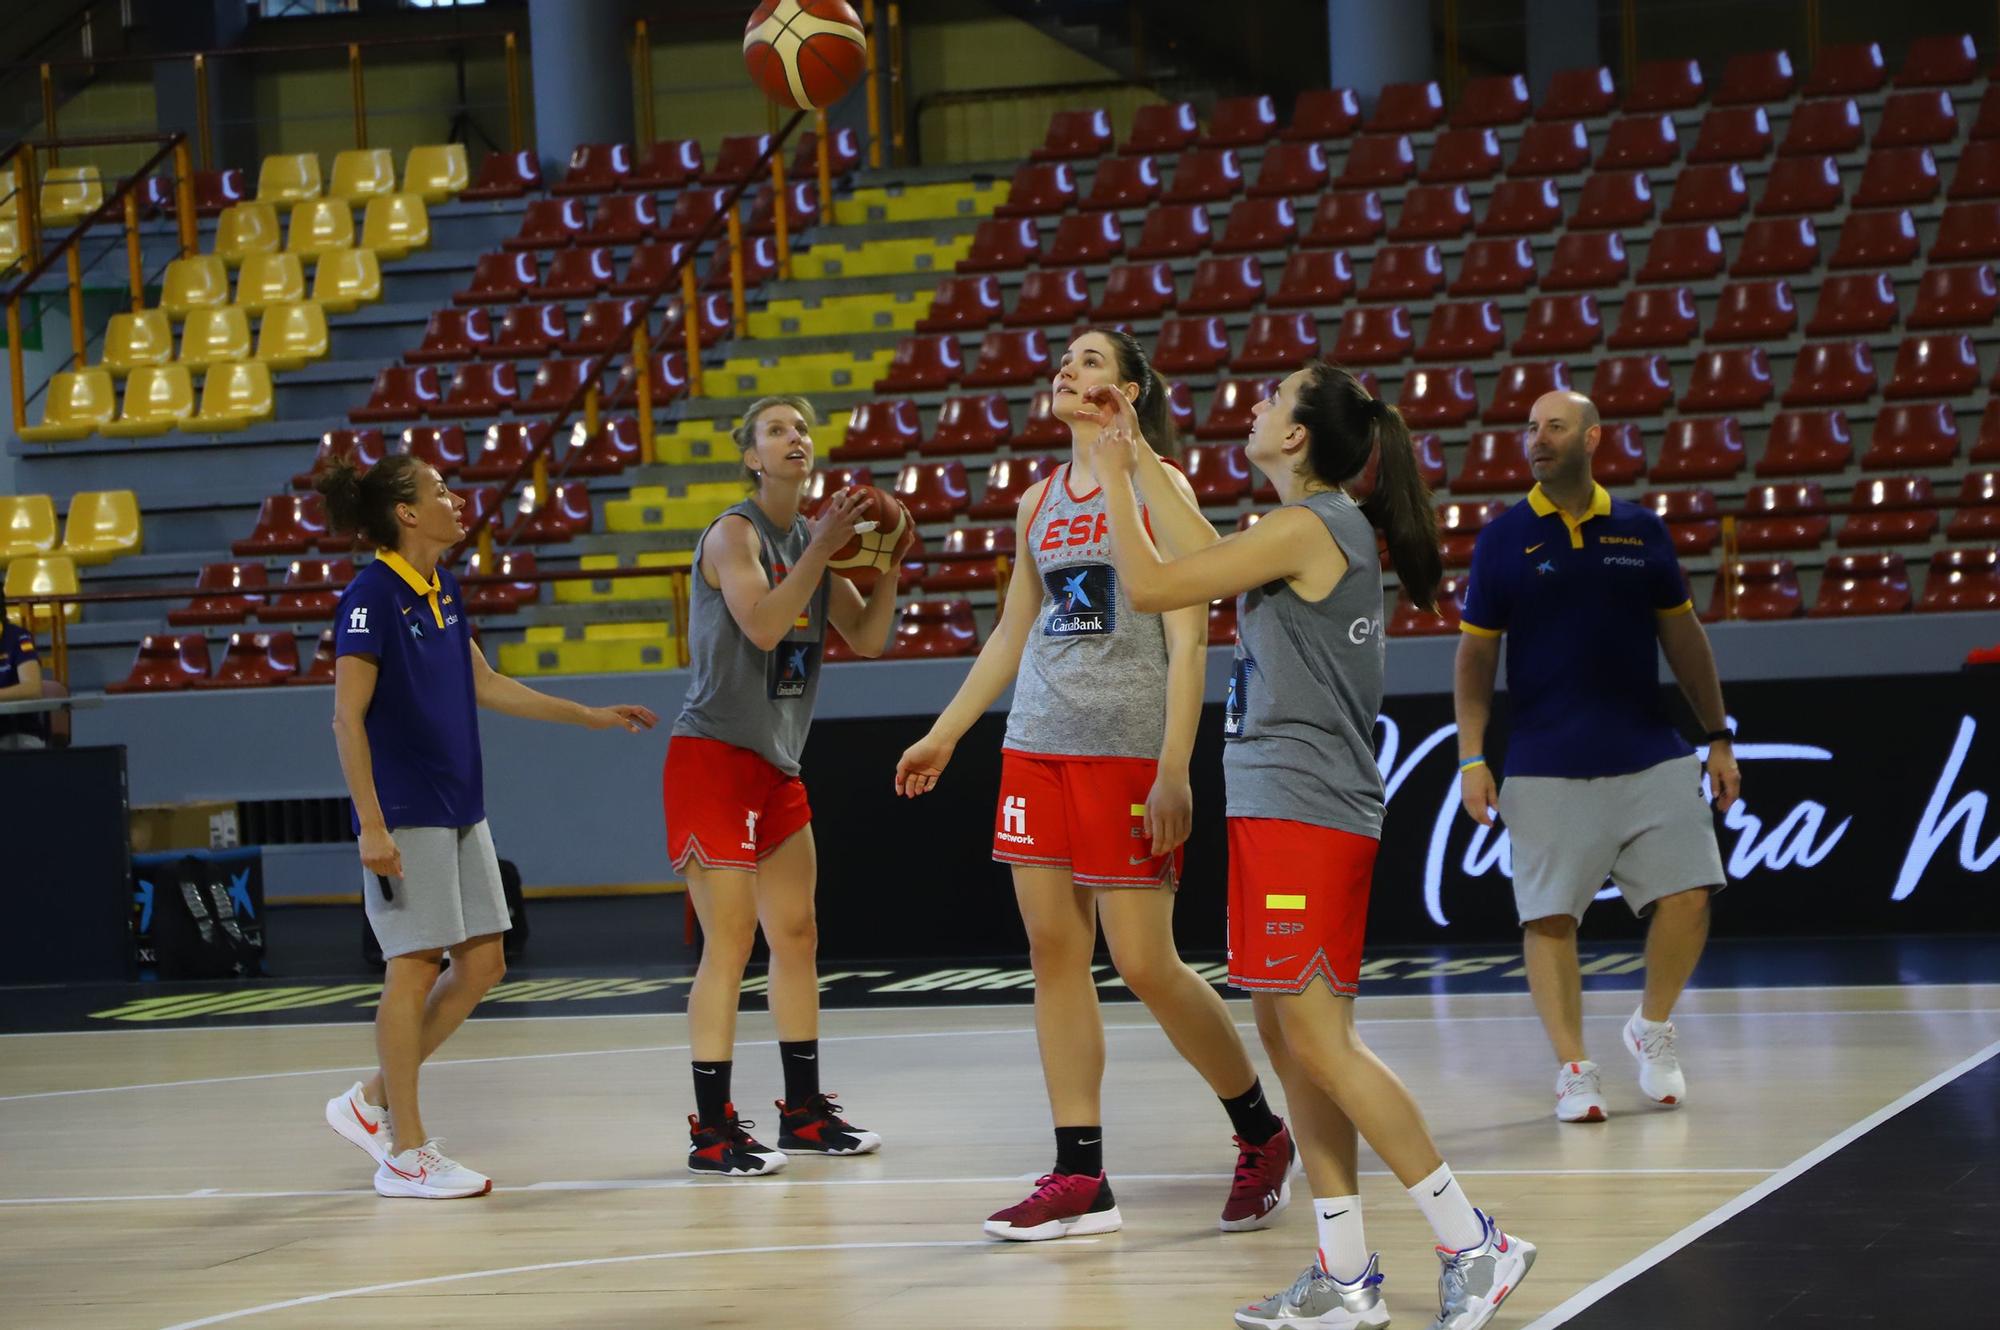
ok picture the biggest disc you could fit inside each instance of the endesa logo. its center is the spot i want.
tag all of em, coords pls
(1083, 600)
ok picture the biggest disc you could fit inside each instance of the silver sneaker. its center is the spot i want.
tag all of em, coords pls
(1318, 1301)
(1474, 1282)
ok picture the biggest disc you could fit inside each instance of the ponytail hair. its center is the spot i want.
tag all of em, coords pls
(364, 503)
(1154, 405)
(1346, 426)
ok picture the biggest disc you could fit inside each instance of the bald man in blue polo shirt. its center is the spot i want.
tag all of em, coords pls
(1600, 784)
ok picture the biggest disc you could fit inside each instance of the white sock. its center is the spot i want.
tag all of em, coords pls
(1451, 1215)
(1645, 1026)
(1343, 1250)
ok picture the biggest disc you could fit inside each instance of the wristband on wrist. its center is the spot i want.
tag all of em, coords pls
(1471, 762)
(1719, 736)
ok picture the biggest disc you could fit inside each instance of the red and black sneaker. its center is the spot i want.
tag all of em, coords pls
(816, 1127)
(728, 1148)
(1062, 1205)
(1263, 1184)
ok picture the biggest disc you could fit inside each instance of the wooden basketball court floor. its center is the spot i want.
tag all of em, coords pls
(185, 1177)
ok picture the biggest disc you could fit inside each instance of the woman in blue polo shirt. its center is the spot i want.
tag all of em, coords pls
(407, 679)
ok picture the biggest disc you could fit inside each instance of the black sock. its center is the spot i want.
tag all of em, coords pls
(1080, 1150)
(711, 1092)
(801, 1061)
(1250, 1114)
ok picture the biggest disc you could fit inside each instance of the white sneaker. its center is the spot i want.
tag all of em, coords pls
(360, 1122)
(1652, 1046)
(426, 1173)
(1579, 1096)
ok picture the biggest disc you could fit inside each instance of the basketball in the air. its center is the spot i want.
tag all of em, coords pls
(805, 54)
(870, 553)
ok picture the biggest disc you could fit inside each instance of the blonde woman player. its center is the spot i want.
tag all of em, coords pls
(1095, 804)
(738, 824)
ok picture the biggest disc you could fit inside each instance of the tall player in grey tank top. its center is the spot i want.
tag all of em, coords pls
(1094, 797)
(1305, 812)
(738, 824)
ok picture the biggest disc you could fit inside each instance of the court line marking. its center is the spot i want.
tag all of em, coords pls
(432, 1281)
(691, 1184)
(1594, 1293)
(922, 1034)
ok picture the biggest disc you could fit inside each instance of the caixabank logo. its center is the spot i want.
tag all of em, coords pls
(1083, 600)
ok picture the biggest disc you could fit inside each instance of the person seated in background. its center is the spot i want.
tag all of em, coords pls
(20, 681)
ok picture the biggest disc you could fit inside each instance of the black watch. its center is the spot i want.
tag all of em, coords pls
(1718, 736)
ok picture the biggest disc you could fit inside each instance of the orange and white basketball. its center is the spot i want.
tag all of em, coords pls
(805, 54)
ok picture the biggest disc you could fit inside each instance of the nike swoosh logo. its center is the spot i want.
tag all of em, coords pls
(704, 1071)
(370, 1127)
(1092, 1141)
(807, 1057)
(1274, 964)
(417, 1176)
(1139, 862)
(1335, 1215)
(1532, 548)
(1440, 1190)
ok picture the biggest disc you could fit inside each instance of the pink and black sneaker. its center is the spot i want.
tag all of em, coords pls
(1263, 1184)
(728, 1148)
(1062, 1205)
(816, 1127)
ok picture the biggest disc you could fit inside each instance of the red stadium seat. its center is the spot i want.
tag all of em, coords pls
(1823, 129)
(228, 593)
(1987, 448)
(1587, 262)
(363, 447)
(694, 210)
(595, 168)
(1290, 170)
(443, 446)
(1831, 373)
(652, 268)
(1059, 296)
(1756, 77)
(504, 175)
(1259, 224)
(506, 448)
(1620, 458)
(1002, 244)
(934, 628)
(1897, 510)
(1495, 267)
(1855, 302)
(1241, 122)
(1205, 175)
(760, 265)
(1846, 69)
(400, 393)
(1656, 316)
(1639, 143)
(1682, 254)
(1729, 379)
(1665, 85)
(1439, 398)
(1135, 291)
(1559, 148)
(607, 452)
(1085, 238)
(1405, 272)
(254, 660)
(528, 332)
(1691, 518)
(1321, 115)
(1430, 459)
(978, 424)
(1627, 386)
(1522, 207)
(1406, 620)
(1496, 462)
(1613, 199)
(1968, 231)
(479, 390)
(1374, 335)
(1433, 212)
(1896, 177)
(1346, 217)
(603, 327)
(1934, 365)
(923, 363)
(667, 164)
(501, 597)
(1042, 429)
(288, 606)
(1957, 298)
(1223, 284)
(1807, 443)
(557, 383)
(968, 558)
(1163, 127)
(1407, 108)
(1800, 185)
(1219, 473)
(1986, 123)
(452, 334)
(1978, 515)
(286, 524)
(1313, 277)
(575, 273)
(1760, 590)
(737, 159)
(1710, 448)
(1194, 345)
(964, 304)
(622, 219)
(1076, 136)
(1010, 357)
(1978, 173)
(1006, 481)
(1733, 134)
(1560, 324)
(1123, 183)
(885, 427)
(1759, 311)
(1467, 330)
(497, 278)
(1281, 342)
(1459, 525)
(1578, 94)
(1712, 193)
(1962, 580)
(1173, 232)
(1917, 119)
(1229, 409)
(565, 514)
(831, 480)
(1857, 584)
(550, 224)
(1463, 154)
(320, 669)
(1375, 160)
(933, 491)
(1777, 246)
(1939, 60)
(1497, 99)
(711, 321)
(669, 375)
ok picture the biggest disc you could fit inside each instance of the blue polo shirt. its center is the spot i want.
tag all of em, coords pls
(1579, 602)
(423, 726)
(17, 648)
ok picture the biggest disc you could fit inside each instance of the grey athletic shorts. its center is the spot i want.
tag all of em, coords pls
(449, 891)
(1650, 832)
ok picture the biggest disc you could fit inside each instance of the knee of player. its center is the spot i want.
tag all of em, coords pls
(793, 934)
(1147, 973)
(1683, 904)
(485, 967)
(1059, 949)
(1551, 926)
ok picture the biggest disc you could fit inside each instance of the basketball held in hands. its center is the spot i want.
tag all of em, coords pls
(870, 553)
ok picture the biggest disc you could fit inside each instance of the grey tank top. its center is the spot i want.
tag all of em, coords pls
(1299, 722)
(759, 700)
(1093, 680)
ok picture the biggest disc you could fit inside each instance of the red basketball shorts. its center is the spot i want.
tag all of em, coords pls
(726, 806)
(1298, 904)
(1085, 814)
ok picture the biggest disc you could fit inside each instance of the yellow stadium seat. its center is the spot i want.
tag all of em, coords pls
(880, 258)
(27, 526)
(8, 207)
(41, 575)
(395, 224)
(135, 339)
(71, 193)
(102, 525)
(362, 173)
(291, 334)
(436, 172)
(76, 403)
(832, 371)
(834, 315)
(10, 243)
(539, 654)
(346, 278)
(270, 279)
(288, 178)
(919, 203)
(244, 229)
(156, 396)
(830, 433)
(193, 283)
(215, 336)
(320, 226)
(232, 397)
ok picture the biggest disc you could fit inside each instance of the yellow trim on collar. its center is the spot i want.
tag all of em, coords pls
(400, 566)
(1600, 506)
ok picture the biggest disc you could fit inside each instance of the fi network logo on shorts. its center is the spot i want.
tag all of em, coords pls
(1014, 820)
(357, 619)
